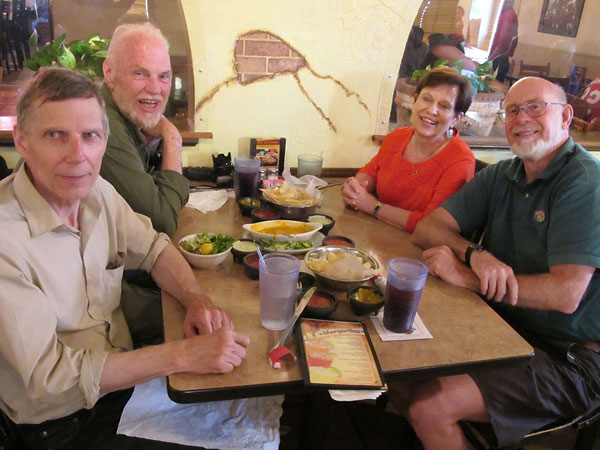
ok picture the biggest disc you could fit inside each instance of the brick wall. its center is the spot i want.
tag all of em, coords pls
(259, 54)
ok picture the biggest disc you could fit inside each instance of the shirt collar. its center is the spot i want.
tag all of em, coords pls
(40, 216)
(516, 169)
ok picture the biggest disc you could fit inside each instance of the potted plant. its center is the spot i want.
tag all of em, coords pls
(85, 56)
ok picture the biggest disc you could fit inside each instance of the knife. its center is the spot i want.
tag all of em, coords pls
(280, 349)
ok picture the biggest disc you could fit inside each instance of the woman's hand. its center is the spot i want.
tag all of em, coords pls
(355, 195)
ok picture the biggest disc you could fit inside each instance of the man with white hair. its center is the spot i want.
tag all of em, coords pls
(536, 265)
(143, 153)
(137, 83)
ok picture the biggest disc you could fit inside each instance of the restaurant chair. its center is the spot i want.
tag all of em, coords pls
(580, 106)
(530, 70)
(6, 45)
(586, 427)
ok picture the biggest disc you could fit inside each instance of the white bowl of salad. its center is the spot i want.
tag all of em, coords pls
(206, 250)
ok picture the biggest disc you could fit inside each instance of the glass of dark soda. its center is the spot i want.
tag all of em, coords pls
(405, 283)
(245, 177)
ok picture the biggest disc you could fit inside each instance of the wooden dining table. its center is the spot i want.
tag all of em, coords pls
(467, 333)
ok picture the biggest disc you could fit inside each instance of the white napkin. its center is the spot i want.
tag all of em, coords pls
(209, 200)
(419, 330)
(348, 395)
(309, 182)
(250, 423)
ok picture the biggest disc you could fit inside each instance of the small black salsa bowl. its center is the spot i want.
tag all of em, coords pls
(238, 254)
(372, 300)
(251, 266)
(247, 204)
(320, 218)
(321, 305)
(338, 240)
(305, 282)
(265, 213)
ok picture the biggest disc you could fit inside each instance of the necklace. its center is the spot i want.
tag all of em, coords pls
(412, 148)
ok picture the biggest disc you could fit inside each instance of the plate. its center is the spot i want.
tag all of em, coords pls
(316, 240)
(264, 230)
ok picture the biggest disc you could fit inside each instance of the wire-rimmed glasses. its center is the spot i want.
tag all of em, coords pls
(532, 109)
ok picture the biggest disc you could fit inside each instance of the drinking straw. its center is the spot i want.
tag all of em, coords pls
(261, 260)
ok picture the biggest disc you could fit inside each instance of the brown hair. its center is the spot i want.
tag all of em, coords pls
(449, 76)
(54, 84)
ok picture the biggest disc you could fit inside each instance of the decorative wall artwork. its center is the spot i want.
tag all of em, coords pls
(261, 55)
(561, 17)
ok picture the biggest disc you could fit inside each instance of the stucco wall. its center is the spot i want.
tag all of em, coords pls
(357, 43)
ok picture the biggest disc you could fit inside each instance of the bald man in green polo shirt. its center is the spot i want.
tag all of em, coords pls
(536, 265)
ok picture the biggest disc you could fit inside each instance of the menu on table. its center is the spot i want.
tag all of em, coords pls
(338, 354)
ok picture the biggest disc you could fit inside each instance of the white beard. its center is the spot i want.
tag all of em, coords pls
(129, 111)
(534, 151)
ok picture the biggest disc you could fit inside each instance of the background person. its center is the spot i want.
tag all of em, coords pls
(505, 40)
(137, 83)
(446, 47)
(66, 363)
(537, 267)
(415, 53)
(417, 167)
(143, 155)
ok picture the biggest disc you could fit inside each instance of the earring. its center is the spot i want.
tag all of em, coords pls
(450, 132)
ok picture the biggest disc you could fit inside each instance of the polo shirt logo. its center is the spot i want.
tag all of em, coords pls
(539, 216)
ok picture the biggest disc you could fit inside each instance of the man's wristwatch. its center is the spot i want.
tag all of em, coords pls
(470, 249)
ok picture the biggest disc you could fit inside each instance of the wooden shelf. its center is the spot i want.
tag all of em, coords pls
(589, 140)
(190, 137)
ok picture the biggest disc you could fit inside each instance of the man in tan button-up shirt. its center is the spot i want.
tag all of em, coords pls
(65, 238)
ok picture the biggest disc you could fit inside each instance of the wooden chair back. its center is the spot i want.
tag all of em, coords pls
(530, 70)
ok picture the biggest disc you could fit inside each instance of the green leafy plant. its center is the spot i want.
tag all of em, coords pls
(85, 56)
(479, 79)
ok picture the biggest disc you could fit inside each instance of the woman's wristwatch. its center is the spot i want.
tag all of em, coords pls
(378, 206)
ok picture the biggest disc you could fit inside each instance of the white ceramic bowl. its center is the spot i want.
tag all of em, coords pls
(260, 230)
(202, 261)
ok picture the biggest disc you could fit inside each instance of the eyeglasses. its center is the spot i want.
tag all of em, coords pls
(532, 109)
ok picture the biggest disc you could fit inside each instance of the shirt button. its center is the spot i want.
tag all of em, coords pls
(527, 195)
(44, 434)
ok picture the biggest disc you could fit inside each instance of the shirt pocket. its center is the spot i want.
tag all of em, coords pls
(112, 277)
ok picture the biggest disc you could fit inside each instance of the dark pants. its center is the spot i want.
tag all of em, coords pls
(90, 429)
(501, 63)
(562, 381)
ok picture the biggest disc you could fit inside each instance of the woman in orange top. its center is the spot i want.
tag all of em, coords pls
(418, 167)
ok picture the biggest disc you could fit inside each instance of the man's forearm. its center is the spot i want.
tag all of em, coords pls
(560, 290)
(171, 151)
(439, 228)
(173, 274)
(171, 154)
(127, 369)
